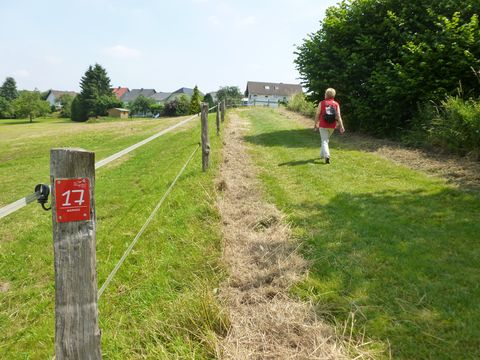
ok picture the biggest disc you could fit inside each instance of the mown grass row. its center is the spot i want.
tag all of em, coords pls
(398, 249)
(161, 303)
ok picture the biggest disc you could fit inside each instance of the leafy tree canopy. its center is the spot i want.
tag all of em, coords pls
(231, 95)
(66, 103)
(208, 99)
(177, 107)
(30, 104)
(142, 105)
(386, 57)
(6, 110)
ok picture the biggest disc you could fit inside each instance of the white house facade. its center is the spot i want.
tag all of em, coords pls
(270, 94)
(53, 97)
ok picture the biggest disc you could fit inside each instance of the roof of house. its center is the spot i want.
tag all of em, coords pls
(267, 88)
(213, 94)
(120, 91)
(160, 96)
(135, 93)
(184, 90)
(58, 93)
(121, 109)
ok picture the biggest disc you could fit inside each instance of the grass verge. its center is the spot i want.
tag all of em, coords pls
(161, 302)
(390, 246)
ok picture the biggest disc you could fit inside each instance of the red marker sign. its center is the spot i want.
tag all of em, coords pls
(72, 198)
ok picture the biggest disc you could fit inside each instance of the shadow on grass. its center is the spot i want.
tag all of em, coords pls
(406, 263)
(298, 138)
(315, 161)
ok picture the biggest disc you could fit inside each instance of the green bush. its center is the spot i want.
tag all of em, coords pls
(300, 104)
(453, 125)
(78, 113)
(385, 57)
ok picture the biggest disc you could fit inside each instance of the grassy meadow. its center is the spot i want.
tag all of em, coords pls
(161, 302)
(394, 249)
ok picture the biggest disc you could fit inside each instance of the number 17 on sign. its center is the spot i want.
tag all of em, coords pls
(72, 198)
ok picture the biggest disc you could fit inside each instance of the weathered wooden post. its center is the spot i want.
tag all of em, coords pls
(223, 110)
(217, 119)
(205, 139)
(72, 176)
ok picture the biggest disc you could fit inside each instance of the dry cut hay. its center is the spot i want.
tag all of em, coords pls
(263, 262)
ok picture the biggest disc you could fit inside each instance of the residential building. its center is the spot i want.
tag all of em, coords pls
(182, 91)
(119, 92)
(270, 94)
(133, 94)
(53, 97)
(160, 97)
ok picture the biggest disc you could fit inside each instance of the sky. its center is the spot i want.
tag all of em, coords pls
(164, 45)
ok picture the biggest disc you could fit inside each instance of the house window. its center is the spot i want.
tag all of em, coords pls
(267, 87)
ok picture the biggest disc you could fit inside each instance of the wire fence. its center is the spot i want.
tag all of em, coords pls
(17, 205)
(145, 225)
(75, 276)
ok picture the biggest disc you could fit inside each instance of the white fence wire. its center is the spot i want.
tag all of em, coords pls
(17, 205)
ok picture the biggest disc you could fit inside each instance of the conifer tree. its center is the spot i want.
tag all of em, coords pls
(96, 96)
(9, 89)
(195, 101)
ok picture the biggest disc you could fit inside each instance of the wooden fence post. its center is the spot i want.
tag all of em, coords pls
(223, 110)
(205, 139)
(217, 119)
(72, 176)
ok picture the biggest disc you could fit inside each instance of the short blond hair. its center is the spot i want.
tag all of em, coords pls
(330, 93)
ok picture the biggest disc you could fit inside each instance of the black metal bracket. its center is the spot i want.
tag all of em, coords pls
(43, 191)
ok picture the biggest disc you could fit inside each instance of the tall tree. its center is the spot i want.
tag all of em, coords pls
(208, 99)
(96, 96)
(66, 102)
(231, 95)
(9, 89)
(387, 57)
(195, 101)
(142, 105)
(30, 104)
(6, 110)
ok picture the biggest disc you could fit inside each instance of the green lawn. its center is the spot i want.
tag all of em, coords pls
(161, 303)
(398, 249)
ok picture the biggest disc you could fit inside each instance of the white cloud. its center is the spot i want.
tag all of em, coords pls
(124, 52)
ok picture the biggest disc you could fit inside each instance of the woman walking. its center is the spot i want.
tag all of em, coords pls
(328, 115)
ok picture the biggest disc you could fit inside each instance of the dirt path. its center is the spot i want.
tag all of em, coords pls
(457, 171)
(266, 323)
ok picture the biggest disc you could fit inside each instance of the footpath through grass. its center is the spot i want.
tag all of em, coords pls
(398, 249)
(160, 304)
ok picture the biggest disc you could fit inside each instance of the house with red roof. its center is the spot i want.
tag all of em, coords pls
(120, 91)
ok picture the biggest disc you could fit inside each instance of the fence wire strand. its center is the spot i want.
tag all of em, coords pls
(145, 225)
(17, 205)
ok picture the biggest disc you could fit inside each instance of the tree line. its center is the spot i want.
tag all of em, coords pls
(96, 98)
(398, 65)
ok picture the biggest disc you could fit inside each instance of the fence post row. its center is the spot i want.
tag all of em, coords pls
(217, 119)
(223, 110)
(205, 138)
(72, 175)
